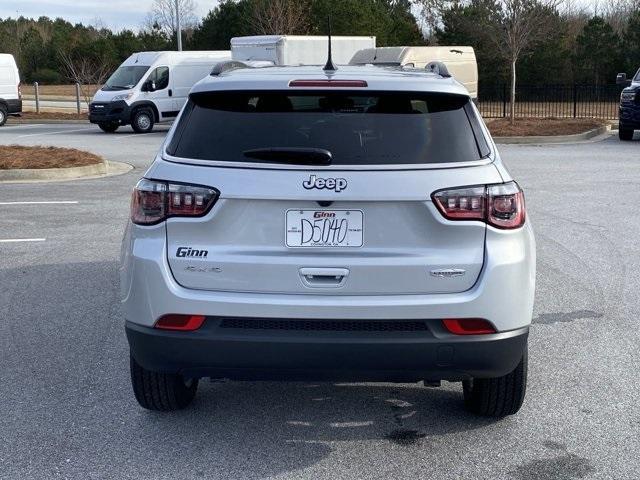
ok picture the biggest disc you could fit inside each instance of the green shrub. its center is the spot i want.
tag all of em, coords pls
(47, 76)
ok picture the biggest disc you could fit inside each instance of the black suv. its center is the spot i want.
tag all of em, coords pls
(629, 105)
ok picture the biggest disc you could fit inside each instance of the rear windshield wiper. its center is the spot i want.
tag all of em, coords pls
(300, 156)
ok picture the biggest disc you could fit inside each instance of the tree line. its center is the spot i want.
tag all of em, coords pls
(545, 41)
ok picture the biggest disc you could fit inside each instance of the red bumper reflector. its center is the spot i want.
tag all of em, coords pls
(185, 323)
(328, 83)
(468, 326)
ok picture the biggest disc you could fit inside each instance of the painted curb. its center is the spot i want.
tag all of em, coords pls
(56, 174)
(579, 137)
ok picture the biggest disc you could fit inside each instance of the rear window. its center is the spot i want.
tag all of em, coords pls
(356, 128)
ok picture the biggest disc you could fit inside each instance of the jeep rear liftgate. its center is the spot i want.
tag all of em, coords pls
(339, 196)
(358, 241)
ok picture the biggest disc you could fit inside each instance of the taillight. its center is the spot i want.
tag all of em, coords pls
(20, 90)
(501, 205)
(154, 201)
(184, 323)
(468, 326)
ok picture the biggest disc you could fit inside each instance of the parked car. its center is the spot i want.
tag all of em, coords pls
(10, 94)
(150, 87)
(352, 225)
(629, 118)
(460, 61)
(297, 49)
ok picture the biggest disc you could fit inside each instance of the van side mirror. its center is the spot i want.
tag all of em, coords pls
(621, 79)
(149, 86)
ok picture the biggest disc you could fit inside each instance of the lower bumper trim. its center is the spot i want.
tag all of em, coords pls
(377, 356)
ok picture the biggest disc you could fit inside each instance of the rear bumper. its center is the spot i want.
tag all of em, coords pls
(110, 112)
(277, 354)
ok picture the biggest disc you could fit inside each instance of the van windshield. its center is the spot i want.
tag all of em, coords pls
(353, 128)
(125, 77)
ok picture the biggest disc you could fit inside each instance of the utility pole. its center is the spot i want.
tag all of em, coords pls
(178, 28)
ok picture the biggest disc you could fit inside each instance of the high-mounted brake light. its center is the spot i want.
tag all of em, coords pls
(184, 323)
(153, 201)
(468, 326)
(501, 205)
(328, 83)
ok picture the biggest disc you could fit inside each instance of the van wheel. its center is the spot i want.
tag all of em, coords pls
(625, 133)
(497, 397)
(108, 127)
(3, 115)
(162, 392)
(142, 120)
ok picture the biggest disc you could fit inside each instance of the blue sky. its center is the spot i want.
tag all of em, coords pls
(115, 14)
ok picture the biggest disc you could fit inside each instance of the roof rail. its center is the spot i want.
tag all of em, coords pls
(226, 66)
(438, 68)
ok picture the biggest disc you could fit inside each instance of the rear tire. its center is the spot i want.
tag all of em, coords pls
(625, 134)
(108, 127)
(163, 392)
(142, 120)
(4, 113)
(497, 397)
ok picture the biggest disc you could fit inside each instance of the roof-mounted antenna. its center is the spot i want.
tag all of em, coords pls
(329, 67)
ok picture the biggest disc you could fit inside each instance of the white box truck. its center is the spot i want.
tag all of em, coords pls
(460, 61)
(10, 95)
(150, 87)
(298, 49)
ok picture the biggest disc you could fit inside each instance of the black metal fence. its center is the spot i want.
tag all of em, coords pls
(551, 101)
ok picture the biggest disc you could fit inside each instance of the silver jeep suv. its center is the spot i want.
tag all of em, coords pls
(348, 225)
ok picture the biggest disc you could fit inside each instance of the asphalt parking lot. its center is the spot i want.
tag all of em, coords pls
(68, 410)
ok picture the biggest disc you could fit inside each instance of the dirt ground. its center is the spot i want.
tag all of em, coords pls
(15, 156)
(48, 116)
(541, 126)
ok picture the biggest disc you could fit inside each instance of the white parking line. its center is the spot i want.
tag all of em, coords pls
(53, 133)
(23, 125)
(55, 202)
(16, 240)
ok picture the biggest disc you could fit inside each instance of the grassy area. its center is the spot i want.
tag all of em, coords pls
(525, 110)
(16, 156)
(57, 90)
(524, 127)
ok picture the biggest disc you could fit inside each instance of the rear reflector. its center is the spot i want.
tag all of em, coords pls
(185, 323)
(468, 326)
(328, 83)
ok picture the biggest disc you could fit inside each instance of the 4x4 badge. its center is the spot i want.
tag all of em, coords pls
(337, 184)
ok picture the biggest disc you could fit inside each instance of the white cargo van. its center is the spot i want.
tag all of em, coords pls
(10, 95)
(150, 87)
(460, 61)
(297, 49)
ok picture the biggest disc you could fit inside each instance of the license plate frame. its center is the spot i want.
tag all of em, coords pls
(332, 228)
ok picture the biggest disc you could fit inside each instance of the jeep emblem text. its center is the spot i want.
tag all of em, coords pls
(337, 184)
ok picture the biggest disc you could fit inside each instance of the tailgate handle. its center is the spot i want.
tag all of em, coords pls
(324, 277)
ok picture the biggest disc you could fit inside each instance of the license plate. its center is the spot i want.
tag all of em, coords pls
(324, 228)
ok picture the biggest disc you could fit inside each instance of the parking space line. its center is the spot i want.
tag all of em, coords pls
(53, 133)
(53, 202)
(17, 240)
(23, 125)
